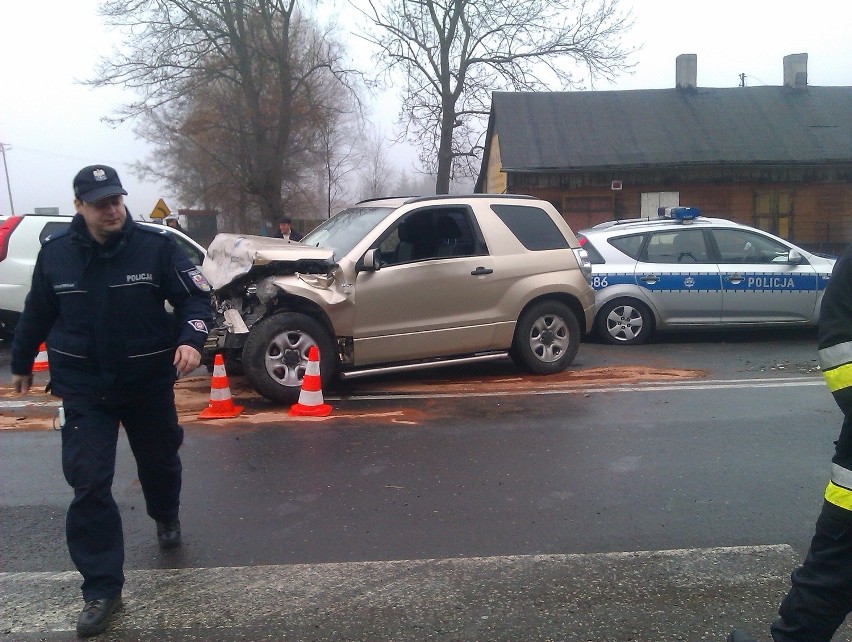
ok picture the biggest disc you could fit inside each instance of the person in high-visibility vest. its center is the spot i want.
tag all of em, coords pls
(820, 595)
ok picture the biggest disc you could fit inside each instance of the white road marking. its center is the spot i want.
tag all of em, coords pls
(23, 403)
(584, 389)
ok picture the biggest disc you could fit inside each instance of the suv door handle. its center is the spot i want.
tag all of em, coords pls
(735, 278)
(649, 278)
(481, 270)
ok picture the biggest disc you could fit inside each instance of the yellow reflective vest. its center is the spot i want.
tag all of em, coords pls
(835, 358)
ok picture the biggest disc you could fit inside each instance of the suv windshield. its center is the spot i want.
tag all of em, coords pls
(342, 232)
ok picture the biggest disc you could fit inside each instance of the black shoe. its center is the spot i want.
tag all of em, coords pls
(738, 635)
(94, 617)
(168, 534)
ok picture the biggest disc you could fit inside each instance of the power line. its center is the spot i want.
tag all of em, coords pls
(45, 152)
(744, 76)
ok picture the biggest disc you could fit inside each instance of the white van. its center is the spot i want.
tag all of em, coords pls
(20, 240)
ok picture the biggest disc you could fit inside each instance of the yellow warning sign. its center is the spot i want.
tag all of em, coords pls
(161, 210)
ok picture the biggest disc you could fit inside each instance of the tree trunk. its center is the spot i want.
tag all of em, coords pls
(445, 152)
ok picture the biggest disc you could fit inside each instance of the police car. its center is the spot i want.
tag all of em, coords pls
(682, 270)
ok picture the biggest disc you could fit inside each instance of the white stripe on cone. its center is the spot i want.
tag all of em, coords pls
(312, 369)
(310, 398)
(220, 394)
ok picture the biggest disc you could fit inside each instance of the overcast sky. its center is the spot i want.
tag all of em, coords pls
(52, 126)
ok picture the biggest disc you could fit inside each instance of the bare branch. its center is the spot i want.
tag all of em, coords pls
(238, 96)
(452, 54)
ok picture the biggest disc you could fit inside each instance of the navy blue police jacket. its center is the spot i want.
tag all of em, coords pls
(100, 310)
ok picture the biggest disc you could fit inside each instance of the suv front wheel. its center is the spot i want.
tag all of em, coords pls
(275, 355)
(547, 338)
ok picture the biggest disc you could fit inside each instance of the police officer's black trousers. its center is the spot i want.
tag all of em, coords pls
(821, 593)
(89, 439)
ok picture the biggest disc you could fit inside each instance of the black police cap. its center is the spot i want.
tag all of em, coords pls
(96, 182)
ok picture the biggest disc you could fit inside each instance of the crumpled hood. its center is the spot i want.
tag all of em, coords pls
(230, 256)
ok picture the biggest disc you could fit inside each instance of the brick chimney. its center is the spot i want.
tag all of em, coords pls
(796, 71)
(686, 71)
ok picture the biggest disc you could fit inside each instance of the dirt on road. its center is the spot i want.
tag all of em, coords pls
(37, 410)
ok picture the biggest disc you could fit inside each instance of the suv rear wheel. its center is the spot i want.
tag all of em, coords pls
(275, 355)
(547, 338)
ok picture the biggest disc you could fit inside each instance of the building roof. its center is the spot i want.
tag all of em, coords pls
(586, 130)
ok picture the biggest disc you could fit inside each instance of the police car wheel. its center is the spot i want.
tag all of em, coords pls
(275, 355)
(547, 338)
(625, 322)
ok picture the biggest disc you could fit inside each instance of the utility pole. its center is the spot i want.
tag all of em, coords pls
(8, 184)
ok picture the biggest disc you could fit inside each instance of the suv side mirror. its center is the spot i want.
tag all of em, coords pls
(372, 260)
(794, 257)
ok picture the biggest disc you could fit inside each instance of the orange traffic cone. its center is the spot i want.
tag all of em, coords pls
(310, 398)
(40, 363)
(221, 406)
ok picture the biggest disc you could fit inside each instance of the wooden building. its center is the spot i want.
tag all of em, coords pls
(776, 158)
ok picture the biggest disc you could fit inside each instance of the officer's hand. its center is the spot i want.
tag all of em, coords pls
(22, 383)
(187, 359)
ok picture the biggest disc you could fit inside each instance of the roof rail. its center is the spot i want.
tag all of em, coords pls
(447, 197)
(623, 221)
(440, 197)
(643, 219)
(383, 198)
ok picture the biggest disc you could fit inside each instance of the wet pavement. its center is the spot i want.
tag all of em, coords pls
(623, 500)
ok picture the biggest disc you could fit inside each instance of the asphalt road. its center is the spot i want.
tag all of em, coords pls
(649, 510)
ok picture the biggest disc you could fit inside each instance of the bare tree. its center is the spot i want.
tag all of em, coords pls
(197, 159)
(226, 91)
(338, 135)
(453, 53)
(415, 184)
(376, 172)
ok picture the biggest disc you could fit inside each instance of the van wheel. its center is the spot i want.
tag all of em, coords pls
(275, 355)
(547, 338)
(7, 329)
(625, 322)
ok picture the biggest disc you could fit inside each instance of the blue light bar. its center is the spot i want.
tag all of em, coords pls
(678, 213)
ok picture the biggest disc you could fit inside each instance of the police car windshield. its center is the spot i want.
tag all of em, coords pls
(342, 232)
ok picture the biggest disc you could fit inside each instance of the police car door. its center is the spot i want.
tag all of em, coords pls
(680, 277)
(760, 283)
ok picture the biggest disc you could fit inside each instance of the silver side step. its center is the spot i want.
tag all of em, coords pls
(366, 372)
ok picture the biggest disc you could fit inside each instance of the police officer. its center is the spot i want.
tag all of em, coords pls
(820, 596)
(97, 300)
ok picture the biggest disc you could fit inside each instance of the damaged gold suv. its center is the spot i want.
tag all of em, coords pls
(399, 284)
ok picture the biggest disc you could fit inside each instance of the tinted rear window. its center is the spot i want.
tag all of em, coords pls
(533, 227)
(630, 245)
